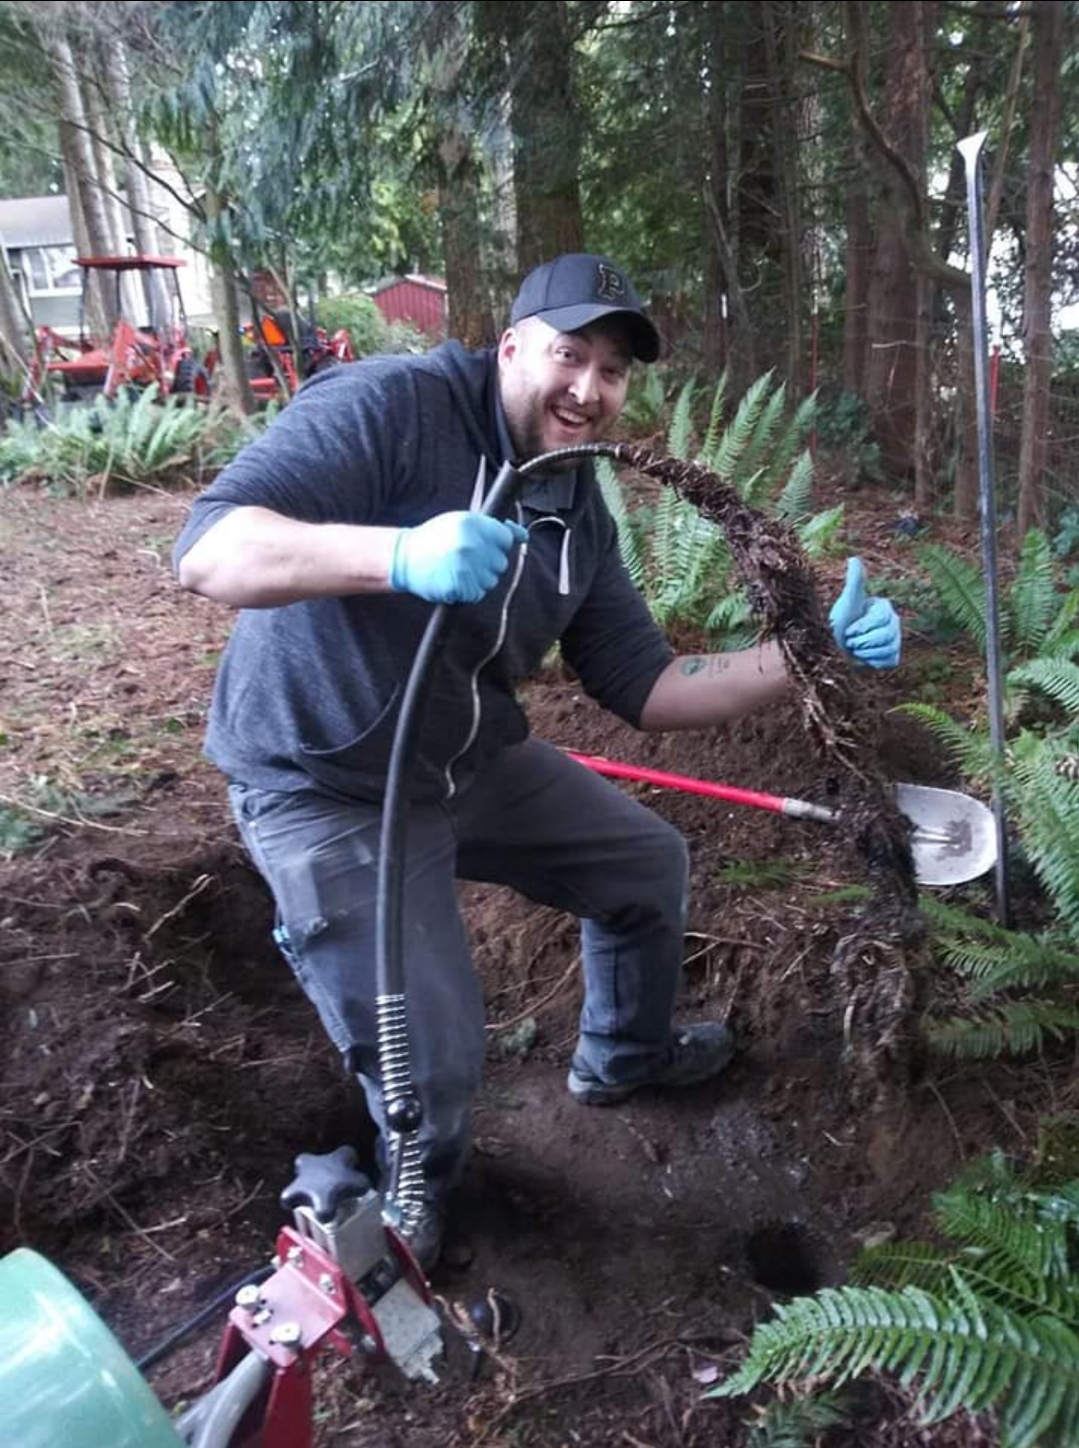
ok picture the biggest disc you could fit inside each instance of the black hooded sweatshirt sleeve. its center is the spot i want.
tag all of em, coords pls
(307, 695)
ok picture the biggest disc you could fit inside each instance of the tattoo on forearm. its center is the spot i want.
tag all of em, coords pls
(710, 664)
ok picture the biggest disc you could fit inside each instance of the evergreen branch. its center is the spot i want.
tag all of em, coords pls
(1008, 961)
(1060, 638)
(960, 921)
(1016, 1029)
(921, 1264)
(672, 512)
(1018, 1235)
(818, 533)
(799, 1423)
(988, 1324)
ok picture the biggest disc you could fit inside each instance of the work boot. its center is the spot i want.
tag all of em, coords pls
(696, 1053)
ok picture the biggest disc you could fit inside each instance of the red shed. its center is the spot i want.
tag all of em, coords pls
(418, 300)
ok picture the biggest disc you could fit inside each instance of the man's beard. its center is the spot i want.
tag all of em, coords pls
(533, 446)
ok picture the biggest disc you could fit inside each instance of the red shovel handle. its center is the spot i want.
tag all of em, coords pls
(730, 792)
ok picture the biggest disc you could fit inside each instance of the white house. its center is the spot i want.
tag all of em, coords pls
(38, 238)
(36, 232)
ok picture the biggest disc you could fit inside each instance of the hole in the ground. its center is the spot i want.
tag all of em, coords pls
(781, 1257)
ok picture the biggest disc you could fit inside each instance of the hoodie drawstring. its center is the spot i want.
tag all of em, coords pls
(475, 504)
(563, 556)
(479, 487)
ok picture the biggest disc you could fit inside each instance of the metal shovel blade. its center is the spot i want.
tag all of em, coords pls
(954, 837)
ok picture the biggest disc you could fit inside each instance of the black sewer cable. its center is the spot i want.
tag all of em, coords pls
(402, 1107)
(175, 1338)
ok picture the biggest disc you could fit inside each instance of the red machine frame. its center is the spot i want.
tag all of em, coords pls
(134, 356)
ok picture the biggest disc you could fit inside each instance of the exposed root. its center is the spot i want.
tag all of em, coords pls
(876, 965)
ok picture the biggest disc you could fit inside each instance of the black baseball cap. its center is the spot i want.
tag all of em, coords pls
(576, 289)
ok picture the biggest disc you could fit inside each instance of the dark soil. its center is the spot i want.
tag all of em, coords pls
(161, 1070)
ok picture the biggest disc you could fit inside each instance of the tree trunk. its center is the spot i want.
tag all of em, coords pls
(964, 413)
(891, 374)
(953, 206)
(858, 251)
(807, 111)
(716, 341)
(1048, 41)
(779, 22)
(470, 319)
(15, 351)
(924, 472)
(94, 316)
(546, 128)
(132, 305)
(143, 220)
(79, 161)
(965, 497)
(231, 383)
(898, 152)
(104, 170)
(729, 340)
(1011, 100)
(891, 362)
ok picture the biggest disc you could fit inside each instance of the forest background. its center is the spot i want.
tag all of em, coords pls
(780, 179)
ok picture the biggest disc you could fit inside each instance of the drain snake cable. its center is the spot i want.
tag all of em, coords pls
(402, 1110)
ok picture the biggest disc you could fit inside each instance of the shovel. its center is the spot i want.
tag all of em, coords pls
(953, 837)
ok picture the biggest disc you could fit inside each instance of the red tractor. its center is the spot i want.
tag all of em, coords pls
(283, 355)
(134, 356)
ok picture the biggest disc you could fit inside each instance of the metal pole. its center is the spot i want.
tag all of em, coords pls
(971, 151)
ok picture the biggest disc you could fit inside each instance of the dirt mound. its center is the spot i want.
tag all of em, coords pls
(161, 1069)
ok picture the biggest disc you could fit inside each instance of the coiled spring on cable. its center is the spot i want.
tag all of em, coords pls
(404, 1148)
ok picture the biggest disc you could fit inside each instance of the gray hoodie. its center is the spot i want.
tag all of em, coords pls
(307, 695)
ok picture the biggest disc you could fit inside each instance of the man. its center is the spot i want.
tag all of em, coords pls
(333, 533)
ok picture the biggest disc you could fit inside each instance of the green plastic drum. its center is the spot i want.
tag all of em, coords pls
(65, 1381)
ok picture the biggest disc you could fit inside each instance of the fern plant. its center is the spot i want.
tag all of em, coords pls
(1017, 990)
(646, 402)
(1039, 781)
(1041, 692)
(1039, 636)
(1006, 993)
(678, 559)
(123, 443)
(1043, 795)
(25, 822)
(798, 1423)
(990, 1323)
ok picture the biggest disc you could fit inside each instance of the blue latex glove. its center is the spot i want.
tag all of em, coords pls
(866, 628)
(453, 557)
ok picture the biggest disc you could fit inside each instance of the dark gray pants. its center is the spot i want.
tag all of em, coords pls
(537, 821)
